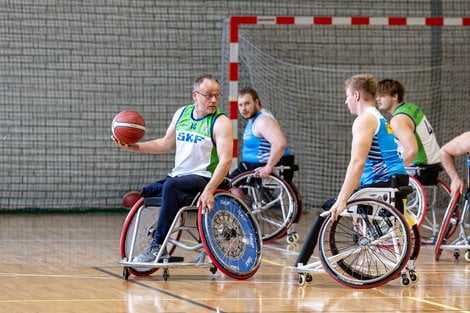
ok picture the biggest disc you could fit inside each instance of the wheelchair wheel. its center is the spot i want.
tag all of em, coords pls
(446, 226)
(147, 218)
(231, 237)
(416, 201)
(438, 197)
(272, 202)
(367, 246)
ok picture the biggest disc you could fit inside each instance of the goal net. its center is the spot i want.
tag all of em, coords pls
(299, 72)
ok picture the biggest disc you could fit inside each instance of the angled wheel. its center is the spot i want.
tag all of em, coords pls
(437, 199)
(416, 201)
(145, 216)
(231, 237)
(367, 246)
(446, 225)
(271, 200)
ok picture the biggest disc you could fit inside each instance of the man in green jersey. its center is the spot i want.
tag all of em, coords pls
(412, 129)
(202, 137)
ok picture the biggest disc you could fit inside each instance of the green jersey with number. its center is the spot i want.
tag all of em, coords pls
(428, 148)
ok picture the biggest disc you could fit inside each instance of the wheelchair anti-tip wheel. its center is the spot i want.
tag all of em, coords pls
(145, 217)
(367, 246)
(231, 236)
(272, 202)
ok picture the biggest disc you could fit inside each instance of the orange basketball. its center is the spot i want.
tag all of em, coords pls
(128, 127)
(130, 198)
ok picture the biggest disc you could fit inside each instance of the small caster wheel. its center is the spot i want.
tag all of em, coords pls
(166, 274)
(456, 254)
(213, 269)
(290, 239)
(405, 281)
(308, 278)
(125, 273)
(413, 276)
(301, 279)
(296, 236)
(467, 255)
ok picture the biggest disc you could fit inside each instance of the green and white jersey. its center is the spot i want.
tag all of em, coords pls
(428, 148)
(196, 153)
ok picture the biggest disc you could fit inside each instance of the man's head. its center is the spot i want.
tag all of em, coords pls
(249, 103)
(360, 90)
(206, 94)
(390, 94)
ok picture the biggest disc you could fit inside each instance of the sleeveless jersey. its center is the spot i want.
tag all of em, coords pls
(428, 148)
(383, 159)
(256, 149)
(196, 153)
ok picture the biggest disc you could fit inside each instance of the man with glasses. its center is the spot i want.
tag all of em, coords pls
(264, 143)
(202, 136)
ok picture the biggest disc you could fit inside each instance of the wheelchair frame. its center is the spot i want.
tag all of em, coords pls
(454, 220)
(290, 216)
(404, 269)
(244, 230)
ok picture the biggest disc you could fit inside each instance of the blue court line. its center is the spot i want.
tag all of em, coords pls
(161, 291)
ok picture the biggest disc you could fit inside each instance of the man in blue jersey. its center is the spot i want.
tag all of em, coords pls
(457, 146)
(374, 162)
(202, 137)
(264, 144)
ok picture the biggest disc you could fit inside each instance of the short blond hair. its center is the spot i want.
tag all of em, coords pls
(366, 84)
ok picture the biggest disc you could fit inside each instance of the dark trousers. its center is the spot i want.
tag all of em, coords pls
(176, 192)
(312, 238)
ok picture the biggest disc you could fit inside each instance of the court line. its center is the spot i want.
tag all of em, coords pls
(162, 291)
(438, 304)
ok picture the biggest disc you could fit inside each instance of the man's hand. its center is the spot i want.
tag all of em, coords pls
(264, 171)
(337, 208)
(123, 145)
(456, 186)
(206, 200)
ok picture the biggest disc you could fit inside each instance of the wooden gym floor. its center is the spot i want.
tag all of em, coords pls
(68, 263)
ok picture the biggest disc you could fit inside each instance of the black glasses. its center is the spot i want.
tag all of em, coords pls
(208, 96)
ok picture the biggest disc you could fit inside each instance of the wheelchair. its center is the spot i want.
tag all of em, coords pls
(228, 234)
(274, 201)
(370, 244)
(453, 220)
(428, 200)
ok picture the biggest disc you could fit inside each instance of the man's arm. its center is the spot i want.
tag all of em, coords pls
(224, 144)
(267, 128)
(363, 131)
(157, 146)
(403, 127)
(457, 146)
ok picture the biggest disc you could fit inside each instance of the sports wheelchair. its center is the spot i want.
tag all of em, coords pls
(274, 201)
(452, 221)
(228, 234)
(370, 244)
(428, 200)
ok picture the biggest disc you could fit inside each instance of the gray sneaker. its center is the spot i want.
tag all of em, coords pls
(150, 254)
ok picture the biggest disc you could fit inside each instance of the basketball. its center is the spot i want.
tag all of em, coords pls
(130, 198)
(128, 127)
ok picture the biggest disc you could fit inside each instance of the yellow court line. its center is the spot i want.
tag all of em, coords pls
(264, 260)
(438, 304)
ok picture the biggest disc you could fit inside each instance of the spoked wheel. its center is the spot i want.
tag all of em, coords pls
(416, 200)
(231, 236)
(271, 200)
(446, 225)
(367, 246)
(147, 217)
(437, 199)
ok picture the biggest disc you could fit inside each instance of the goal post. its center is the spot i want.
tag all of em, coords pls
(298, 66)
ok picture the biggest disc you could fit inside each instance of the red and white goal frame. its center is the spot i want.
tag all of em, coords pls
(236, 21)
